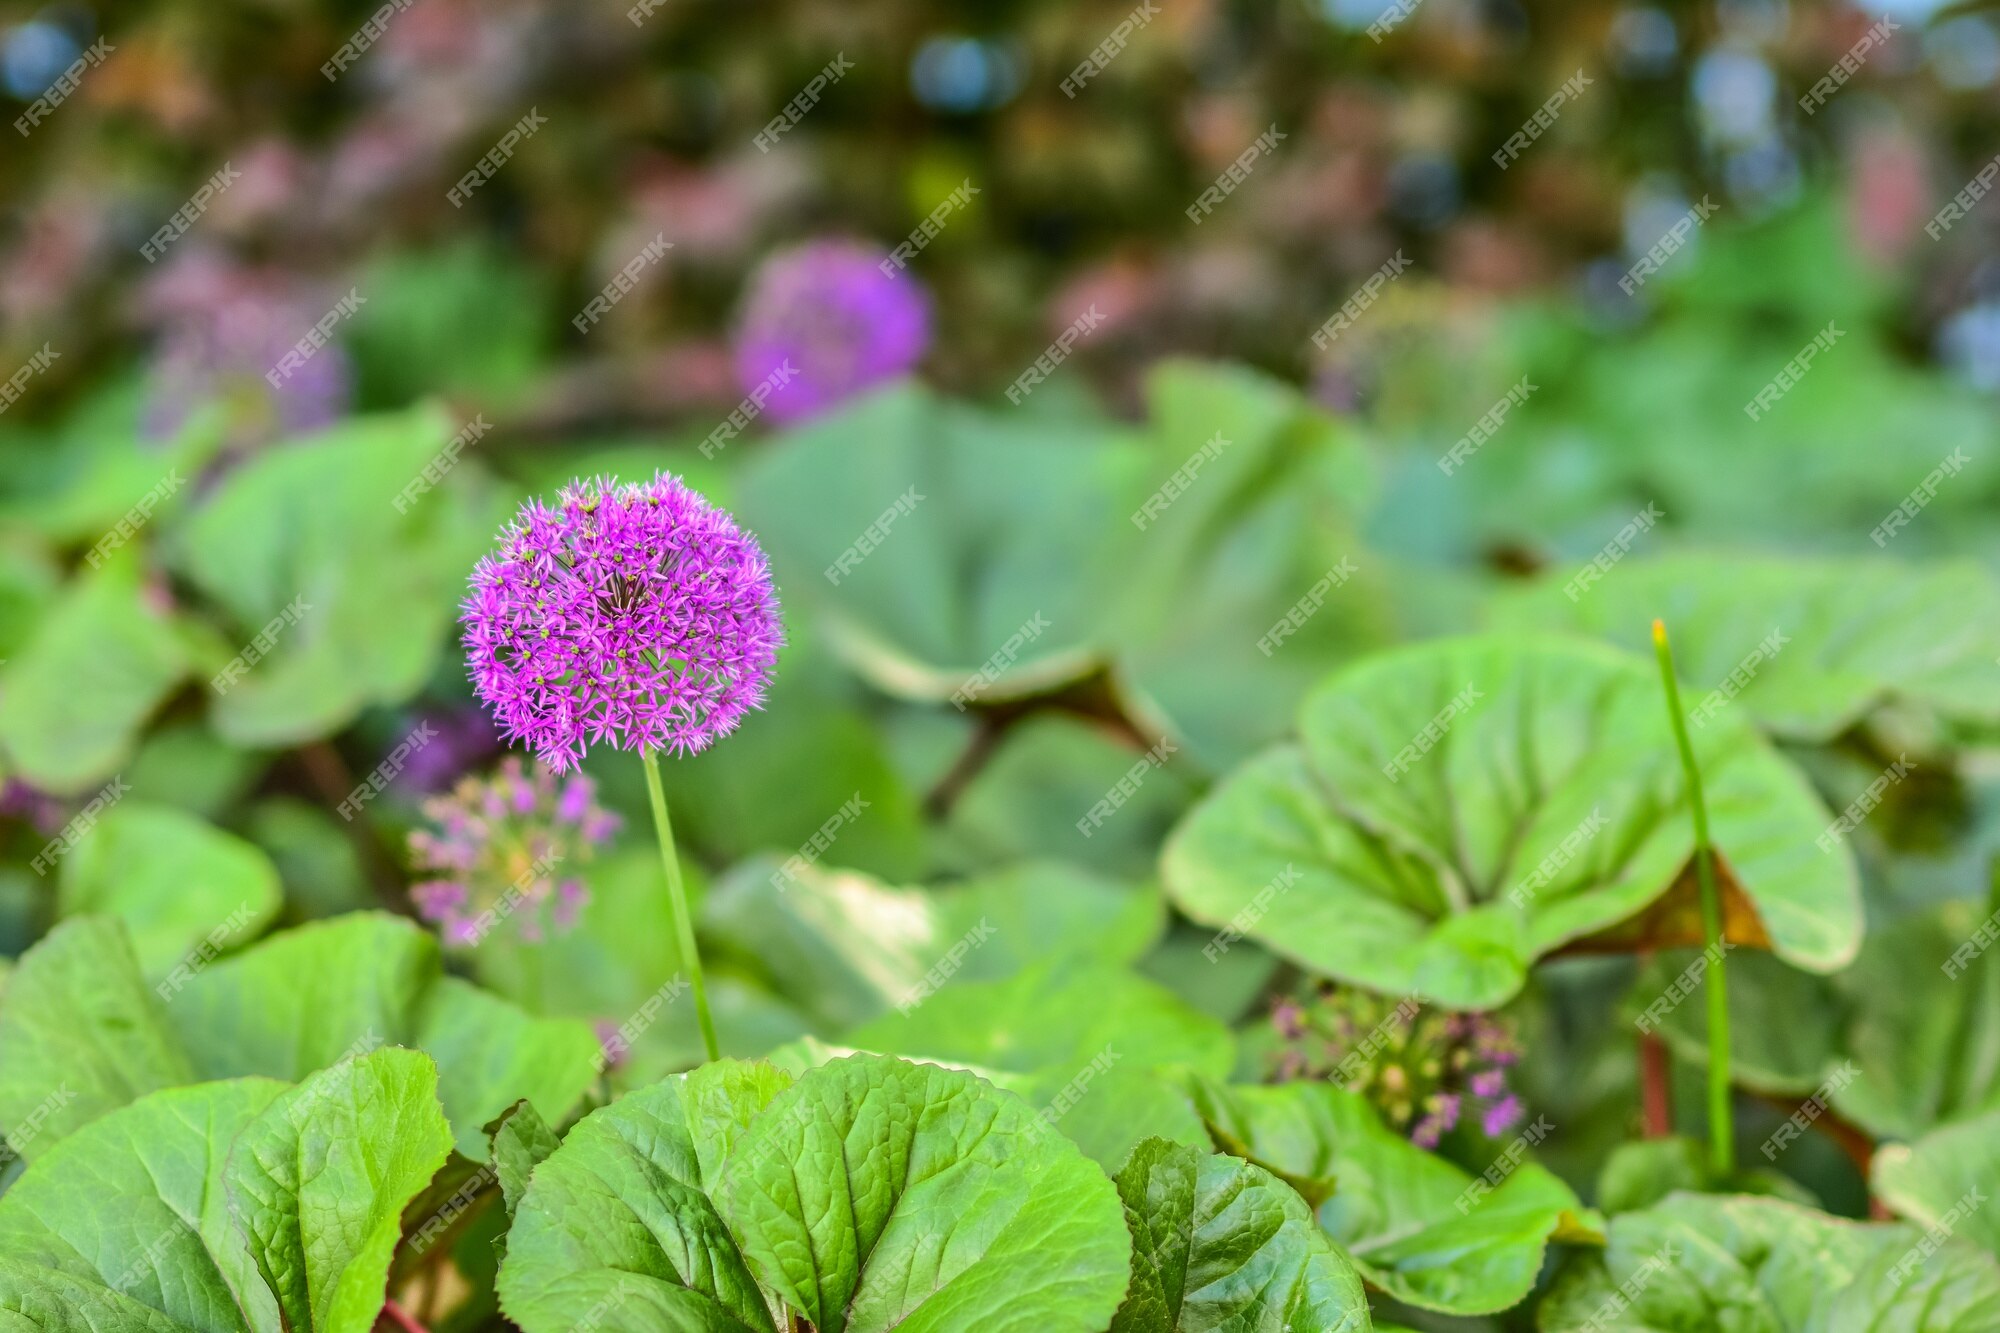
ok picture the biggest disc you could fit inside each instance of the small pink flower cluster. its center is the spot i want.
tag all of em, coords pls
(496, 845)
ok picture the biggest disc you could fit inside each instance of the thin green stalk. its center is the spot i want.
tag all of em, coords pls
(683, 922)
(1721, 1126)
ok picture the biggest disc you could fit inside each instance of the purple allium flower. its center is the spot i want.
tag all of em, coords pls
(495, 844)
(823, 322)
(639, 615)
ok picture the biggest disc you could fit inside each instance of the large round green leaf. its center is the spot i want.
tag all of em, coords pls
(1219, 1244)
(873, 1194)
(617, 1221)
(958, 540)
(1455, 810)
(845, 947)
(97, 666)
(232, 1207)
(1806, 647)
(305, 542)
(179, 883)
(1055, 1016)
(1696, 1263)
(1250, 581)
(878, 1194)
(81, 1034)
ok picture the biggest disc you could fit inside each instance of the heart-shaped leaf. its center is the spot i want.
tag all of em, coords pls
(1697, 1262)
(234, 1207)
(878, 1194)
(1455, 810)
(1220, 1244)
(873, 1194)
(617, 1224)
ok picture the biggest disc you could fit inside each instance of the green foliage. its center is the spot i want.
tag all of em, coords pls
(1454, 811)
(237, 1205)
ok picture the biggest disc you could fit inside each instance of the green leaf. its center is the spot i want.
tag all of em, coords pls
(1696, 1263)
(1107, 1110)
(1812, 645)
(305, 542)
(128, 1220)
(997, 540)
(99, 664)
(490, 1054)
(1639, 1175)
(305, 998)
(1055, 1017)
(1418, 1227)
(844, 947)
(78, 1017)
(722, 1099)
(177, 882)
(1269, 510)
(615, 1226)
(1945, 1179)
(81, 1034)
(878, 1194)
(1925, 1042)
(1220, 1244)
(522, 1141)
(238, 1205)
(318, 1182)
(1456, 810)
(812, 754)
(1783, 1059)
(1065, 790)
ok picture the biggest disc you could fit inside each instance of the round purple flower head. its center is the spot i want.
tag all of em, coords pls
(636, 614)
(824, 321)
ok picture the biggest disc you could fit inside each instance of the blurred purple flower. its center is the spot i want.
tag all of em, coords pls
(494, 848)
(640, 615)
(1423, 1069)
(828, 312)
(222, 329)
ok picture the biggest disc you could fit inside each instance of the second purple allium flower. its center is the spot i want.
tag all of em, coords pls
(494, 848)
(823, 322)
(636, 614)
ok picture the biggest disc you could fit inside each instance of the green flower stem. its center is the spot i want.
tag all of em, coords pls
(677, 895)
(1721, 1127)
